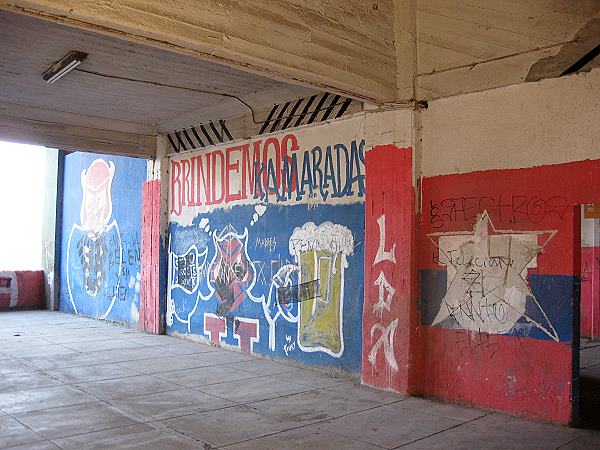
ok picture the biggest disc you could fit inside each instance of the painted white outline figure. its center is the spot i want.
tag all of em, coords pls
(94, 214)
(283, 278)
(382, 254)
(386, 294)
(386, 340)
(171, 309)
(505, 256)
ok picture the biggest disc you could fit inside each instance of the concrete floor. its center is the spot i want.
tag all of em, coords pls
(75, 383)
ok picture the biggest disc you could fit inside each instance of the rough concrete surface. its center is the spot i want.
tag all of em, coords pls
(76, 383)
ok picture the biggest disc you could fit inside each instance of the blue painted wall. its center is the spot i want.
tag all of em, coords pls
(101, 236)
(266, 247)
(265, 251)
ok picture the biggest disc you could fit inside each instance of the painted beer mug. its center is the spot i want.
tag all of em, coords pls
(321, 253)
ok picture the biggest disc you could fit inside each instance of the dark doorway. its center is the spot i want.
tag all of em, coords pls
(589, 348)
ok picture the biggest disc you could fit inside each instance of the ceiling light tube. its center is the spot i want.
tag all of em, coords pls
(62, 67)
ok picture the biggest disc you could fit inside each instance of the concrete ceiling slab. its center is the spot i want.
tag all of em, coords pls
(122, 86)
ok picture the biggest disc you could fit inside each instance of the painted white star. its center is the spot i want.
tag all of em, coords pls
(487, 269)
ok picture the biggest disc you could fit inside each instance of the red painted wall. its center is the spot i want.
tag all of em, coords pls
(590, 292)
(389, 313)
(524, 371)
(149, 290)
(22, 289)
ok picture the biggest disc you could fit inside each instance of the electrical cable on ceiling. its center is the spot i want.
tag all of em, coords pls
(200, 91)
(173, 86)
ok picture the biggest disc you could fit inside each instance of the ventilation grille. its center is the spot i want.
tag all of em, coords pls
(304, 111)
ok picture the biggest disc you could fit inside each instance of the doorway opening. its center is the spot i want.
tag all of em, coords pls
(28, 187)
(589, 344)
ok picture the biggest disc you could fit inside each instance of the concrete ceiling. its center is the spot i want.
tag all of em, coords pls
(103, 94)
(473, 45)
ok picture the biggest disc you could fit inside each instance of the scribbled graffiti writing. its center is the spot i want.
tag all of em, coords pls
(508, 208)
(268, 243)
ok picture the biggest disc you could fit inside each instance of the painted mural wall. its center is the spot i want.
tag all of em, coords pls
(266, 245)
(499, 244)
(498, 290)
(101, 226)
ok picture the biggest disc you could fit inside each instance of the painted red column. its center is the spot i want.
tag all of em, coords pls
(389, 311)
(150, 283)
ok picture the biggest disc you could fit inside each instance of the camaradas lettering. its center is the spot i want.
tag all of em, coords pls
(275, 169)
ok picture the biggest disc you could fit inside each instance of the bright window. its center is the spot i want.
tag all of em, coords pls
(22, 190)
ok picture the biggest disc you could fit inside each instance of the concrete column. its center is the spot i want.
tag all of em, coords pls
(405, 30)
(154, 233)
(52, 229)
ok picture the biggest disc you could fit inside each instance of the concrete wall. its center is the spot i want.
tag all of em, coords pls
(499, 243)
(341, 45)
(21, 289)
(50, 227)
(267, 241)
(101, 227)
(467, 46)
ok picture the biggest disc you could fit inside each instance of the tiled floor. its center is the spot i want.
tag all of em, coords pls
(70, 382)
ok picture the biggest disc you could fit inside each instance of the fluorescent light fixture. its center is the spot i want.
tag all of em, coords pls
(62, 67)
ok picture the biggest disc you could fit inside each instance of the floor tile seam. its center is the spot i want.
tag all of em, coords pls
(253, 377)
(324, 387)
(42, 438)
(197, 367)
(86, 341)
(109, 401)
(17, 371)
(441, 415)
(212, 365)
(52, 440)
(54, 443)
(351, 438)
(319, 421)
(104, 399)
(60, 383)
(256, 374)
(69, 366)
(75, 384)
(155, 420)
(72, 383)
(96, 430)
(89, 402)
(256, 401)
(190, 436)
(539, 422)
(441, 431)
(320, 389)
(567, 443)
(87, 350)
(293, 428)
(258, 357)
(111, 361)
(589, 346)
